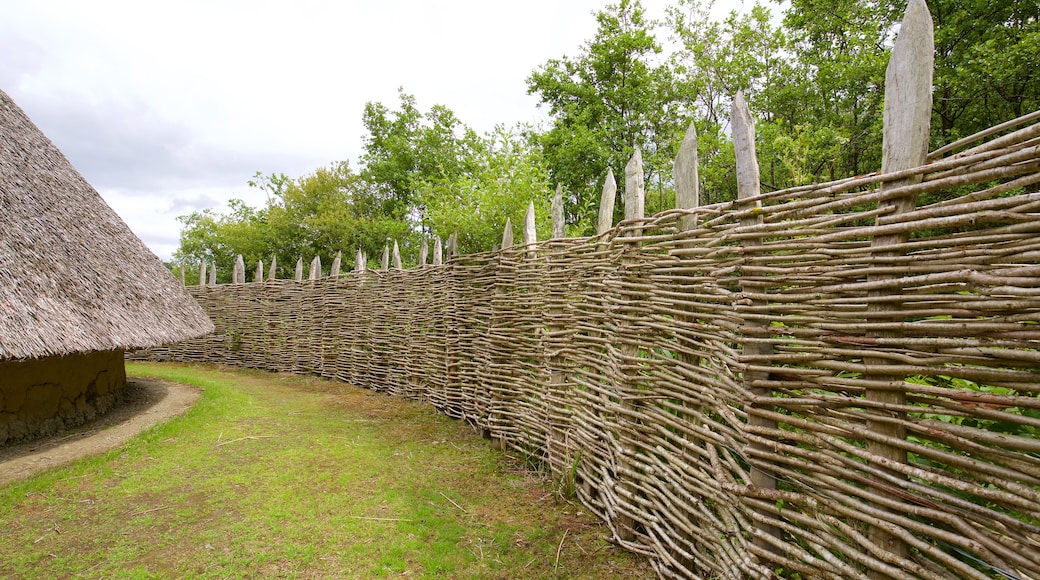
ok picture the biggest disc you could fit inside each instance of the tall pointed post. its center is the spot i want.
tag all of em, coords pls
(687, 183)
(315, 273)
(258, 276)
(272, 272)
(756, 341)
(453, 246)
(687, 196)
(183, 283)
(424, 252)
(239, 274)
(336, 265)
(507, 234)
(628, 388)
(559, 223)
(606, 204)
(202, 273)
(359, 261)
(438, 251)
(384, 262)
(213, 274)
(299, 269)
(635, 187)
(530, 230)
(397, 256)
(907, 124)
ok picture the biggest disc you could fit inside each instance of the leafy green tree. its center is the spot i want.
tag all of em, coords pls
(612, 96)
(507, 173)
(743, 52)
(987, 58)
(319, 214)
(404, 148)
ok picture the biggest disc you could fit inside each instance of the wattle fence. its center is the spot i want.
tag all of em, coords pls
(826, 381)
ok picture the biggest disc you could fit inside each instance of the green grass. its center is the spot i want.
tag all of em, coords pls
(288, 476)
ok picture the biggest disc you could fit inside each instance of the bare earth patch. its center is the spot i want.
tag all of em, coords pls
(147, 403)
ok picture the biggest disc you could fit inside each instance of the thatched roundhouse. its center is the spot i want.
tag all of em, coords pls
(77, 289)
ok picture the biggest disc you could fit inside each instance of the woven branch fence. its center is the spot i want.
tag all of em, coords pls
(817, 381)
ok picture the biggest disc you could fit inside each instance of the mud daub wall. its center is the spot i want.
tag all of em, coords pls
(42, 396)
(711, 390)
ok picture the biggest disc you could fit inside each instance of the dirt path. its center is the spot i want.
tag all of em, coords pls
(148, 402)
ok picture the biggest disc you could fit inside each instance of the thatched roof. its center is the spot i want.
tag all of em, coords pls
(73, 277)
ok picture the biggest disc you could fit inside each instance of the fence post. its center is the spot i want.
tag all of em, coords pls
(629, 355)
(239, 273)
(606, 204)
(507, 234)
(202, 273)
(298, 276)
(424, 252)
(687, 182)
(530, 231)
(907, 119)
(384, 262)
(359, 261)
(213, 274)
(453, 246)
(438, 252)
(315, 273)
(183, 283)
(687, 196)
(559, 224)
(747, 187)
(334, 271)
(556, 403)
(258, 276)
(397, 256)
(272, 272)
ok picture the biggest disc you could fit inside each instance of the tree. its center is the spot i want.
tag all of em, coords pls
(405, 148)
(319, 214)
(743, 52)
(507, 173)
(610, 98)
(987, 55)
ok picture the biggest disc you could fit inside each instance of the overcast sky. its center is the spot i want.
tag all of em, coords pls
(169, 107)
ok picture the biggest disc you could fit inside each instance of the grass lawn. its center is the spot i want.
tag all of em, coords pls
(288, 476)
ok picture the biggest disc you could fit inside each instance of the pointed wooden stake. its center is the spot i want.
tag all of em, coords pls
(258, 276)
(530, 232)
(635, 191)
(507, 234)
(183, 283)
(558, 223)
(424, 252)
(453, 246)
(213, 274)
(239, 274)
(744, 149)
(272, 272)
(907, 124)
(315, 273)
(687, 184)
(334, 271)
(299, 269)
(202, 273)
(606, 204)
(438, 251)
(359, 261)
(397, 256)
(384, 262)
